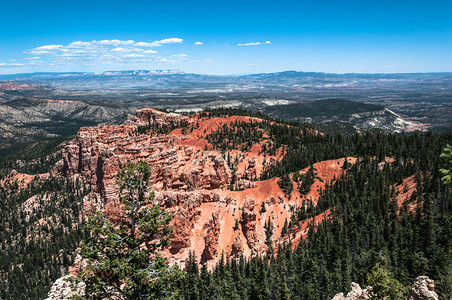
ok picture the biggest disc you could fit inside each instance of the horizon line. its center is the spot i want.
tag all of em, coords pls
(235, 75)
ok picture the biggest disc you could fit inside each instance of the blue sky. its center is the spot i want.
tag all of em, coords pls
(226, 37)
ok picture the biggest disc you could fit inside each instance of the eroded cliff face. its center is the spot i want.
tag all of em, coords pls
(193, 181)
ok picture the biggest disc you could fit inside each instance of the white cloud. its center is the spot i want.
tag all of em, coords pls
(79, 43)
(11, 65)
(48, 47)
(170, 41)
(135, 55)
(115, 42)
(145, 44)
(160, 42)
(119, 49)
(198, 43)
(113, 51)
(36, 63)
(254, 43)
(40, 52)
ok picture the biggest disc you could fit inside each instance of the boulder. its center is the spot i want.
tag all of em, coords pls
(356, 293)
(63, 288)
(423, 289)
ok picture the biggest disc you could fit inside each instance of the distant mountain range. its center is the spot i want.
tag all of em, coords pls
(176, 79)
(81, 74)
(290, 73)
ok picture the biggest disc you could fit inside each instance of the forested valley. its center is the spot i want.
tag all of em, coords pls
(367, 229)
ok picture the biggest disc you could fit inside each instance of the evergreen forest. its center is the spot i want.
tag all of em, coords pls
(367, 230)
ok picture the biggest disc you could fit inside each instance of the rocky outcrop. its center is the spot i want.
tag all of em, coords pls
(249, 217)
(63, 288)
(149, 116)
(22, 180)
(423, 289)
(356, 293)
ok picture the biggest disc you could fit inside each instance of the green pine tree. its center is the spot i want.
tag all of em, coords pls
(384, 286)
(122, 257)
(447, 170)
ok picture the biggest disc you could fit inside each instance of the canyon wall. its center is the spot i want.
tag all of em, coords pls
(193, 181)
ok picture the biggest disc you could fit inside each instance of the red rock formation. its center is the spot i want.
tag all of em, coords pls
(192, 183)
(149, 116)
(404, 191)
(22, 180)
